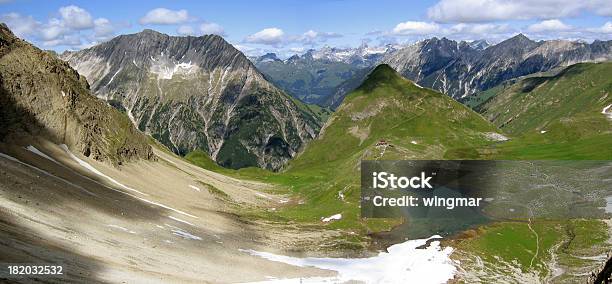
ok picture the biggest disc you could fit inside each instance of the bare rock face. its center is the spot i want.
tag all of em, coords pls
(460, 69)
(41, 95)
(198, 93)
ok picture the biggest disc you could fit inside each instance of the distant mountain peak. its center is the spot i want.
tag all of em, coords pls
(268, 57)
(519, 38)
(479, 44)
(293, 58)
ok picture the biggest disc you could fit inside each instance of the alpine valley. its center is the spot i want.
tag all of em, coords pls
(158, 158)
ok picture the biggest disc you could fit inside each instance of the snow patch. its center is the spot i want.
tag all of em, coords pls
(185, 235)
(121, 228)
(413, 142)
(46, 173)
(332, 217)
(180, 220)
(167, 207)
(493, 136)
(95, 171)
(606, 113)
(542, 131)
(263, 195)
(165, 69)
(113, 77)
(403, 263)
(195, 187)
(38, 152)
(129, 113)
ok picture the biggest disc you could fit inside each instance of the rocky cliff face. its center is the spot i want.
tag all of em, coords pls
(460, 69)
(41, 95)
(198, 93)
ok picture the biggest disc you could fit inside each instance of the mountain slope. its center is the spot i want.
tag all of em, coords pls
(567, 115)
(42, 96)
(387, 118)
(459, 70)
(195, 93)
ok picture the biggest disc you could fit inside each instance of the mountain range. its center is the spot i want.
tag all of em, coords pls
(456, 68)
(459, 70)
(316, 75)
(198, 93)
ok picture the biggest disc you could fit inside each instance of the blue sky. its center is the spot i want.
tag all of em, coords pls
(288, 27)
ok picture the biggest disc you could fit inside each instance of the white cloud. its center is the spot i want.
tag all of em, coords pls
(312, 37)
(185, 30)
(163, 16)
(415, 28)
(103, 28)
(605, 29)
(212, 28)
(548, 26)
(478, 29)
(68, 40)
(73, 27)
(74, 17)
(53, 30)
(490, 10)
(297, 49)
(270, 36)
(21, 26)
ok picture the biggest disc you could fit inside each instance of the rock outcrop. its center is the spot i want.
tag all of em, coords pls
(41, 95)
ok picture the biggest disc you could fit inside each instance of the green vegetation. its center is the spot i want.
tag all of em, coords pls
(214, 190)
(321, 113)
(314, 82)
(506, 245)
(553, 117)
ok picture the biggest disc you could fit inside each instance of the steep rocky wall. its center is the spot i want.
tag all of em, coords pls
(42, 96)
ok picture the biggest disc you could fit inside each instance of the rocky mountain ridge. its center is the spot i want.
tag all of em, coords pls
(456, 68)
(459, 70)
(41, 96)
(195, 93)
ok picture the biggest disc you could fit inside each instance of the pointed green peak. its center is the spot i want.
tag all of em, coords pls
(382, 74)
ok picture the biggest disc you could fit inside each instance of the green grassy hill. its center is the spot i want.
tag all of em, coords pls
(554, 117)
(413, 122)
